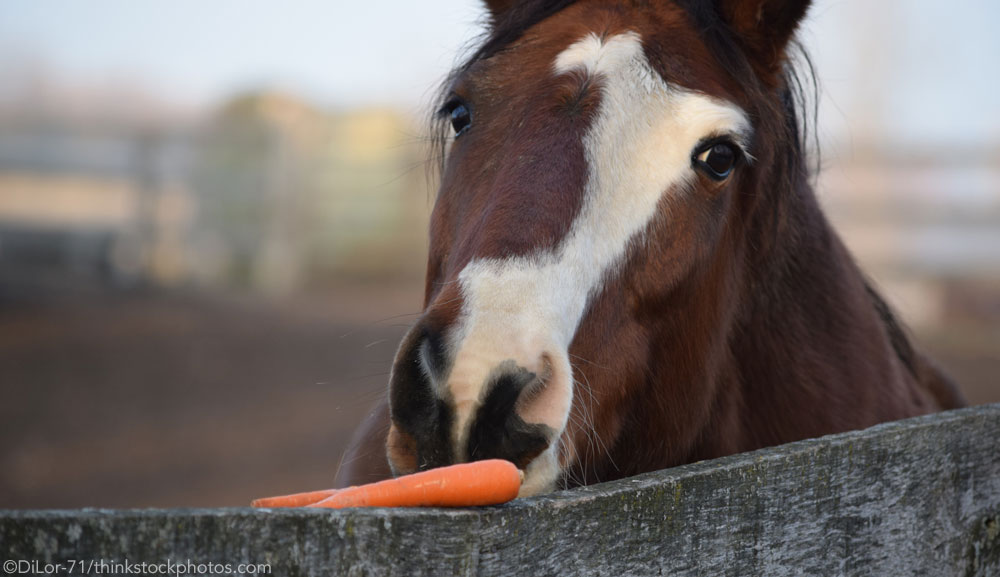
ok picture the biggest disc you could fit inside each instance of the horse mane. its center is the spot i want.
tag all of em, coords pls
(897, 333)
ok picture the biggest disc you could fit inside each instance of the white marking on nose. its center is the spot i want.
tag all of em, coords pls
(638, 147)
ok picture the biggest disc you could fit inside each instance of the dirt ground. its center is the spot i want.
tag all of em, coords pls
(181, 399)
(166, 400)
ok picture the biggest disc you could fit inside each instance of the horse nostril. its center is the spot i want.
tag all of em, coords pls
(499, 431)
(421, 420)
(431, 353)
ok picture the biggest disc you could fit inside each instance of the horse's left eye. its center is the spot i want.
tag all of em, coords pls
(717, 160)
(460, 117)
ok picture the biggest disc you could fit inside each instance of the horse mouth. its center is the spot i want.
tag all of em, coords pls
(542, 475)
(495, 434)
(489, 398)
(541, 468)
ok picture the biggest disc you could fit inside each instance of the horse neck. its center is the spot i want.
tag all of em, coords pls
(809, 349)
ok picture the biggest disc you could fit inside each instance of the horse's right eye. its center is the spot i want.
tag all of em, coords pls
(460, 117)
(717, 160)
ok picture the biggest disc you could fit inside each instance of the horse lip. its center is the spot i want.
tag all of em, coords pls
(542, 474)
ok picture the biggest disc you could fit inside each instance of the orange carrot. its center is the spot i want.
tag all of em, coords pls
(295, 500)
(473, 484)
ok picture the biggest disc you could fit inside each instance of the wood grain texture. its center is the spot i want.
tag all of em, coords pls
(914, 497)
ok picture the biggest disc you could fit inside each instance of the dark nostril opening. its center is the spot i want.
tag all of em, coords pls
(498, 432)
(414, 406)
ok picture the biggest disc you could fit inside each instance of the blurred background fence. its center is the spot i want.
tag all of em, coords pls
(268, 194)
(200, 295)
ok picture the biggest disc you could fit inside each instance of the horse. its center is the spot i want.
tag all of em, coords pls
(628, 267)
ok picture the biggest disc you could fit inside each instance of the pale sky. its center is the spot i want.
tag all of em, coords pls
(335, 52)
(916, 71)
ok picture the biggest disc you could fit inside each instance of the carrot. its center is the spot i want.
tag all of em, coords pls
(295, 500)
(473, 484)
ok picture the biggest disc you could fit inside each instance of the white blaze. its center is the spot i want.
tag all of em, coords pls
(638, 148)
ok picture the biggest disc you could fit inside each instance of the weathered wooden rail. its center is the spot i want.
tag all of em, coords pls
(914, 497)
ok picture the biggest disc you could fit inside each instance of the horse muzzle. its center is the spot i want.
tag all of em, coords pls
(478, 395)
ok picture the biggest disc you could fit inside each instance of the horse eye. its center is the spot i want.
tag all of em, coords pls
(717, 160)
(460, 117)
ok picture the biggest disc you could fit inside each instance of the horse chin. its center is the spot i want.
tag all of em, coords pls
(542, 474)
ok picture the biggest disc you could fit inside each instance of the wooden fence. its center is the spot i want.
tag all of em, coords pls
(914, 497)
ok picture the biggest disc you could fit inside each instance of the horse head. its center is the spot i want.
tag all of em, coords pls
(607, 163)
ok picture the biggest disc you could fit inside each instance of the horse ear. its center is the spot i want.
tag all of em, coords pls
(498, 8)
(764, 26)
